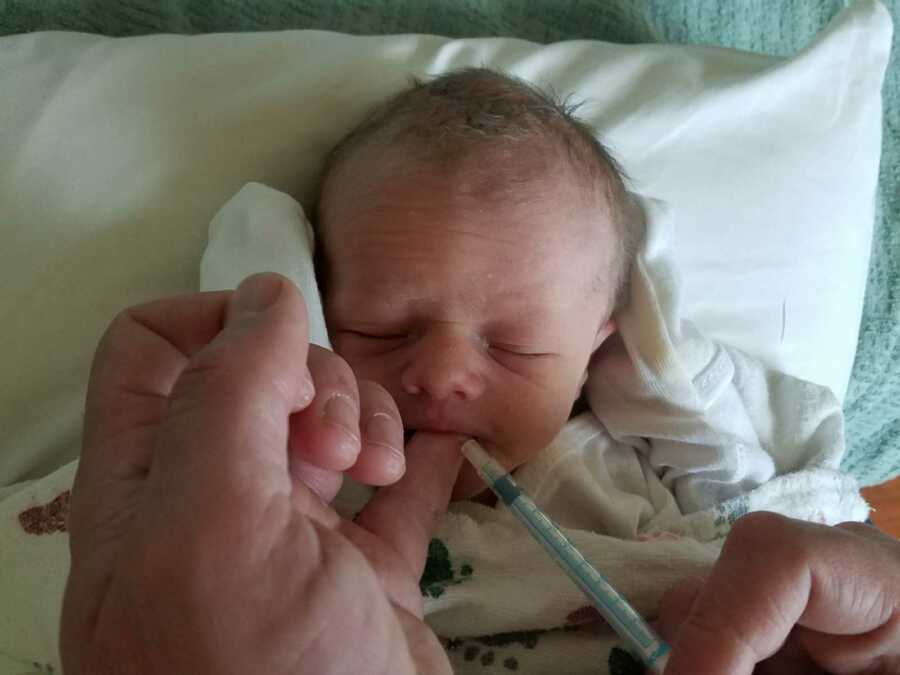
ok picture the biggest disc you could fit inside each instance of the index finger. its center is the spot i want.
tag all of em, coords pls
(404, 515)
(192, 380)
(139, 359)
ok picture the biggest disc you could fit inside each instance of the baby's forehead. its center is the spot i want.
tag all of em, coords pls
(517, 205)
(518, 250)
(508, 193)
(480, 175)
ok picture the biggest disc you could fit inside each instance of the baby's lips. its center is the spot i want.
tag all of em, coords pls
(408, 434)
(444, 448)
(418, 436)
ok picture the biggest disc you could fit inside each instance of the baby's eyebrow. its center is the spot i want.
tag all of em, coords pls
(363, 302)
(523, 326)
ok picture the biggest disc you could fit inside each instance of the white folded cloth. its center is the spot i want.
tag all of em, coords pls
(264, 230)
(711, 420)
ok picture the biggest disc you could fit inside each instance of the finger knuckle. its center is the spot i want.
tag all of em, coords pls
(763, 533)
(205, 369)
(119, 325)
(856, 527)
(211, 374)
(325, 363)
(378, 397)
(118, 333)
(759, 526)
(371, 388)
(344, 378)
(701, 629)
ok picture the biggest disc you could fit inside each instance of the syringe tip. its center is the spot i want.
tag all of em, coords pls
(475, 453)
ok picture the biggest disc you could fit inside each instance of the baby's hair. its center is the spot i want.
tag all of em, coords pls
(445, 117)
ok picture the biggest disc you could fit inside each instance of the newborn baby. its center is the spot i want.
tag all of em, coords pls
(474, 243)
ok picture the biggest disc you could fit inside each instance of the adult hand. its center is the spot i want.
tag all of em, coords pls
(790, 597)
(197, 545)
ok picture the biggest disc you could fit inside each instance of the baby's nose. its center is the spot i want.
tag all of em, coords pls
(445, 366)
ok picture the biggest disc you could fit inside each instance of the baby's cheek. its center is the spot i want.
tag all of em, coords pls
(536, 422)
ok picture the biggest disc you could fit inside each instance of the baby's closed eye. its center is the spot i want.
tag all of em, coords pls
(382, 340)
(520, 359)
(530, 351)
(371, 340)
(392, 335)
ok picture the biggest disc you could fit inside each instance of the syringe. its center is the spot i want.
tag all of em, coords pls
(641, 639)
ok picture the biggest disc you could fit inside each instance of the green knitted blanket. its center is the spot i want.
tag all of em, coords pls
(872, 405)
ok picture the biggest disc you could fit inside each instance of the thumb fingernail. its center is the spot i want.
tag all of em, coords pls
(256, 293)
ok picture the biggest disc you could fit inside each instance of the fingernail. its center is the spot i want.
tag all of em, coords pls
(256, 293)
(341, 412)
(381, 429)
(395, 463)
(307, 389)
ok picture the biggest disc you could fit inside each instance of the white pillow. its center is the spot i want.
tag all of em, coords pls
(116, 153)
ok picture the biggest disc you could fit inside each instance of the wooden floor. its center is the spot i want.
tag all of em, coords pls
(885, 502)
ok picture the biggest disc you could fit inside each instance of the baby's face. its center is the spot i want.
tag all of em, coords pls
(475, 313)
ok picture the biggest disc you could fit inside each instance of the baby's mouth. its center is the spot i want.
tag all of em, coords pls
(409, 433)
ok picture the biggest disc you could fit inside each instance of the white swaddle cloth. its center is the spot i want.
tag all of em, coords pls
(686, 435)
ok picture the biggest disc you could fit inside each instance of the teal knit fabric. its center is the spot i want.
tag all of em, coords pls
(873, 401)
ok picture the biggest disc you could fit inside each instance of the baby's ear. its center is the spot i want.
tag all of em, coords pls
(603, 332)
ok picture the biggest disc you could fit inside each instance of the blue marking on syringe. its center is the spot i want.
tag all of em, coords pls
(614, 608)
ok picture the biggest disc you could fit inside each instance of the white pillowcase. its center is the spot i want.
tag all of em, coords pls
(116, 153)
